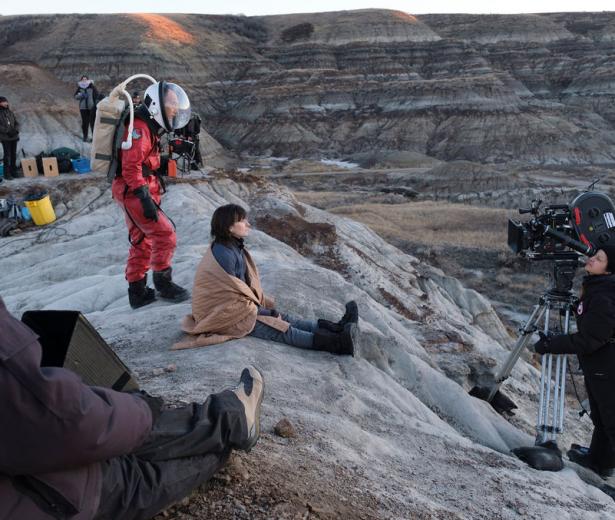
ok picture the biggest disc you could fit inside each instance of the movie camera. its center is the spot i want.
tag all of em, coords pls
(582, 226)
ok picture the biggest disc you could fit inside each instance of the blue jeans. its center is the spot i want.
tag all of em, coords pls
(299, 334)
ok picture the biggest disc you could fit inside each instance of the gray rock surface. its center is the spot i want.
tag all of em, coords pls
(396, 421)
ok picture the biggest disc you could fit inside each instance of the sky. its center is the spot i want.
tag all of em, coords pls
(263, 7)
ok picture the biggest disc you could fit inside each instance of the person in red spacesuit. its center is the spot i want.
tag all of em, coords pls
(138, 188)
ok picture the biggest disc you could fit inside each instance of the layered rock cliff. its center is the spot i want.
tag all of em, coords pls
(534, 88)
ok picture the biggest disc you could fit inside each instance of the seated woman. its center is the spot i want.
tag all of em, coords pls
(228, 301)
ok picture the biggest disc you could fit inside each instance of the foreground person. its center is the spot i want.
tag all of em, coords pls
(228, 301)
(68, 450)
(594, 344)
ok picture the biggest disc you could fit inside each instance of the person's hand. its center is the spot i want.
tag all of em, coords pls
(542, 345)
(150, 210)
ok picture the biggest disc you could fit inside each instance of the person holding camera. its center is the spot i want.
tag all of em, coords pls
(138, 189)
(228, 301)
(594, 345)
(9, 135)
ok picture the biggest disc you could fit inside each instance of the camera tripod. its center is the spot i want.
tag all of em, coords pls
(558, 298)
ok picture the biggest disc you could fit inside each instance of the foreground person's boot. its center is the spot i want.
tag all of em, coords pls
(139, 294)
(581, 456)
(341, 343)
(250, 392)
(167, 289)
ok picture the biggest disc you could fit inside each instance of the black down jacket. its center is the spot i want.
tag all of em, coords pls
(593, 343)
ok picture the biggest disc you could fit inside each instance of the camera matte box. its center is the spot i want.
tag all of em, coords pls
(69, 340)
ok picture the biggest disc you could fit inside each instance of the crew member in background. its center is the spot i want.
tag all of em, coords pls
(9, 135)
(87, 95)
(137, 188)
(136, 98)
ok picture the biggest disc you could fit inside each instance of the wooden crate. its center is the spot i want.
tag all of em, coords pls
(50, 167)
(29, 167)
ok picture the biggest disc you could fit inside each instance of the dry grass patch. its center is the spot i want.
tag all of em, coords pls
(435, 223)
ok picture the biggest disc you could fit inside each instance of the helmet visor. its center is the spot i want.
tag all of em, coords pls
(175, 106)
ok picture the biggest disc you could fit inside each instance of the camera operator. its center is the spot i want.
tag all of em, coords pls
(594, 344)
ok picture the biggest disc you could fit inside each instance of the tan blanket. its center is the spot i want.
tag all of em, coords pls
(224, 307)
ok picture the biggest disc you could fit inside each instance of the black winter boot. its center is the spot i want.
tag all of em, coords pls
(167, 289)
(581, 455)
(139, 294)
(330, 326)
(342, 343)
(351, 315)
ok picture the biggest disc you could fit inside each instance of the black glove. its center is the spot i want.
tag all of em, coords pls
(150, 210)
(262, 311)
(542, 345)
(12, 132)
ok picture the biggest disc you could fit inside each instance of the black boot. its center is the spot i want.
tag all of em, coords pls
(330, 326)
(581, 455)
(351, 315)
(167, 289)
(139, 294)
(342, 343)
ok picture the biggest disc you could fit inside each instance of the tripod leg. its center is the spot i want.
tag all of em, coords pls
(551, 405)
(526, 333)
(557, 397)
(563, 378)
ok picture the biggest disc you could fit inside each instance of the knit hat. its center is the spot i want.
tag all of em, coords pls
(610, 255)
(3, 99)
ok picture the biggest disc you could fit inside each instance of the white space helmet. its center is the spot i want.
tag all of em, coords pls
(168, 104)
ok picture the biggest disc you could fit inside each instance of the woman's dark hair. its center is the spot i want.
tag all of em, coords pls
(223, 218)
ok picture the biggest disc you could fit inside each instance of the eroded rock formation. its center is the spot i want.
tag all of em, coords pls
(535, 88)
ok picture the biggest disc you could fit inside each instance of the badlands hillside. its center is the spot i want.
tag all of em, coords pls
(531, 88)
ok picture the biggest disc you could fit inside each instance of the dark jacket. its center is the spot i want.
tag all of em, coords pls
(595, 325)
(230, 257)
(55, 430)
(9, 126)
(88, 97)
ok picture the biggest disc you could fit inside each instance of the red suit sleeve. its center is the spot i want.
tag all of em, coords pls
(133, 159)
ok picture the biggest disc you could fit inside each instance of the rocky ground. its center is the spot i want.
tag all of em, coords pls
(389, 434)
